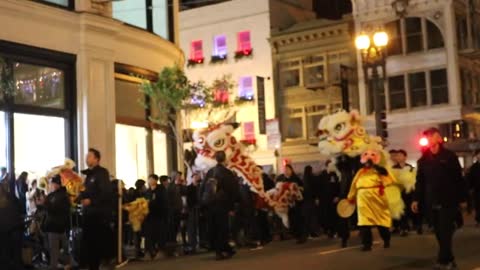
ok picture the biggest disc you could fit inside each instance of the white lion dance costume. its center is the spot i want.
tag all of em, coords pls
(343, 133)
(219, 138)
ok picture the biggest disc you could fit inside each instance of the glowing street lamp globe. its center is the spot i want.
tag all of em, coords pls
(380, 39)
(362, 42)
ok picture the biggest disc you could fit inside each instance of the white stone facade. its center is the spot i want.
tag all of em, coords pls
(98, 42)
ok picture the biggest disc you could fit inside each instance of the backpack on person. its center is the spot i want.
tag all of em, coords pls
(210, 190)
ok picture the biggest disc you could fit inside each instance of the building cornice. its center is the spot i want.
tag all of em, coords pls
(310, 35)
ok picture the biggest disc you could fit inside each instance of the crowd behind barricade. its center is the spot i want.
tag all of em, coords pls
(216, 211)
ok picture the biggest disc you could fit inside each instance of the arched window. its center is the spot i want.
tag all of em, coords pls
(394, 31)
(413, 34)
(434, 36)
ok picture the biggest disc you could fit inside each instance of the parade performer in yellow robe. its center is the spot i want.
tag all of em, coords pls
(369, 192)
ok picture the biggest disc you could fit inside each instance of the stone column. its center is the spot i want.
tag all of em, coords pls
(96, 91)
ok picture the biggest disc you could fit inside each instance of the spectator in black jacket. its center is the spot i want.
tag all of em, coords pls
(193, 207)
(156, 218)
(97, 211)
(57, 221)
(20, 191)
(175, 191)
(474, 184)
(11, 229)
(310, 200)
(295, 214)
(329, 198)
(441, 185)
(222, 206)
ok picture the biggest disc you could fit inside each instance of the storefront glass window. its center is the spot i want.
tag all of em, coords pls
(3, 141)
(160, 156)
(39, 143)
(131, 153)
(39, 86)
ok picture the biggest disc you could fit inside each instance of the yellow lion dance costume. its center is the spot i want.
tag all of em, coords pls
(343, 133)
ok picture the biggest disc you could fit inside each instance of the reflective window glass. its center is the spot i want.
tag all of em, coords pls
(160, 18)
(413, 27)
(434, 36)
(131, 153)
(39, 86)
(294, 128)
(131, 11)
(439, 82)
(3, 140)
(418, 89)
(396, 87)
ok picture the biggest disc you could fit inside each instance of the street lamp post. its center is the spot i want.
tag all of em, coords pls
(372, 49)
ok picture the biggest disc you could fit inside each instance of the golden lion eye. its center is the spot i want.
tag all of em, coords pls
(219, 143)
(339, 127)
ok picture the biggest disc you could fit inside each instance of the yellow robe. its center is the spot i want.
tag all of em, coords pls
(372, 203)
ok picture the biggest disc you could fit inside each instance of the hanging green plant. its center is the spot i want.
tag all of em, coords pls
(167, 94)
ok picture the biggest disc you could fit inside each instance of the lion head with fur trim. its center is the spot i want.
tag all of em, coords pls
(343, 132)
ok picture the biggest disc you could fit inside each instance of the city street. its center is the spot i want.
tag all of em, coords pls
(413, 252)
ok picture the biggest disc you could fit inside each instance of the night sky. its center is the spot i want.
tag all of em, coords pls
(328, 9)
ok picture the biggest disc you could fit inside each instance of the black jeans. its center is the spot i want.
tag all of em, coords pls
(11, 250)
(97, 241)
(343, 228)
(154, 241)
(297, 222)
(444, 224)
(218, 221)
(367, 239)
(476, 199)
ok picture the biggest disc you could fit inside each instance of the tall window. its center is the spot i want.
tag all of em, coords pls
(64, 3)
(413, 28)
(418, 89)
(290, 73)
(160, 18)
(314, 115)
(314, 71)
(3, 140)
(131, 12)
(154, 17)
(462, 30)
(382, 98)
(131, 153)
(39, 106)
(243, 41)
(196, 50)
(439, 82)
(293, 124)
(245, 88)
(394, 31)
(220, 45)
(411, 33)
(396, 86)
(434, 36)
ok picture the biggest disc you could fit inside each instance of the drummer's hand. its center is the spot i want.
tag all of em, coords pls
(336, 200)
(86, 202)
(415, 207)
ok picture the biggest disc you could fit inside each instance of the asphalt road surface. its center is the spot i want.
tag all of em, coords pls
(412, 252)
